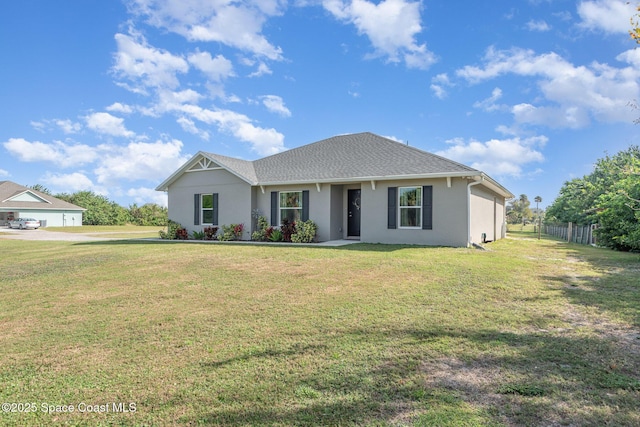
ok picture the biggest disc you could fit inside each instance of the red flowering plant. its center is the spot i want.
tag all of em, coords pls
(210, 233)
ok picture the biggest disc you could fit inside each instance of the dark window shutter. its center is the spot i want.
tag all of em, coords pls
(427, 207)
(392, 212)
(274, 208)
(305, 205)
(196, 209)
(215, 208)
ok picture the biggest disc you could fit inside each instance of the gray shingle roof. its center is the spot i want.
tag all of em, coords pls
(361, 155)
(343, 158)
(9, 190)
(243, 168)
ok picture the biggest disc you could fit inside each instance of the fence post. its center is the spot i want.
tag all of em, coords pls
(569, 231)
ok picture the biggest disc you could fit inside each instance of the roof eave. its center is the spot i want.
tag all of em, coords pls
(376, 178)
(50, 208)
(492, 184)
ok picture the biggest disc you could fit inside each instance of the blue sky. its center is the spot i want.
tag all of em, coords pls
(114, 96)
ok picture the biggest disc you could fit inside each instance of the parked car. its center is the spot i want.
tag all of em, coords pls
(23, 223)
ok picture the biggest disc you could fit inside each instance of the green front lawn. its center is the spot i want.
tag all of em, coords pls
(528, 333)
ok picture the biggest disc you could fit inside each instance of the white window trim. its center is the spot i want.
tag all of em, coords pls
(419, 207)
(202, 209)
(280, 207)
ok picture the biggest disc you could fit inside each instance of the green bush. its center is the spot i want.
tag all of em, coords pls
(231, 232)
(305, 232)
(263, 233)
(174, 231)
(198, 235)
(276, 235)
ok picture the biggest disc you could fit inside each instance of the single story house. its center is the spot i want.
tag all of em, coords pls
(17, 201)
(358, 186)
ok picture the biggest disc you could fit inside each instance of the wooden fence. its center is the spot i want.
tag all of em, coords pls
(574, 233)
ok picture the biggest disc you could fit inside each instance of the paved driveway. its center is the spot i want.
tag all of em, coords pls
(42, 234)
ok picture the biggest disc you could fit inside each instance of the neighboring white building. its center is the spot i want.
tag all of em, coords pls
(359, 186)
(17, 201)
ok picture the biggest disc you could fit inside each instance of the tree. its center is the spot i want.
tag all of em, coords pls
(41, 188)
(619, 208)
(634, 32)
(518, 211)
(99, 209)
(148, 214)
(609, 196)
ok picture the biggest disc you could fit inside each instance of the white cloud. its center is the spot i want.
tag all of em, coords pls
(489, 104)
(497, 157)
(554, 117)
(189, 125)
(263, 141)
(143, 195)
(58, 153)
(275, 104)
(234, 24)
(4, 173)
(68, 126)
(39, 126)
(71, 183)
(215, 69)
(610, 16)
(390, 25)
(117, 107)
(439, 85)
(145, 65)
(105, 123)
(139, 160)
(261, 71)
(540, 26)
(576, 94)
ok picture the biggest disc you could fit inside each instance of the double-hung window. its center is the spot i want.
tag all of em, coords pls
(291, 205)
(207, 205)
(410, 207)
(205, 209)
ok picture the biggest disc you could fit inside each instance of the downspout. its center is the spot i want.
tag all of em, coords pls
(471, 184)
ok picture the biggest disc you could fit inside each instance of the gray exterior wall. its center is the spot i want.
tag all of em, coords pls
(319, 205)
(234, 199)
(449, 214)
(328, 208)
(487, 214)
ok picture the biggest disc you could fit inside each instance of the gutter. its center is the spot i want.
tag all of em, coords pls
(478, 180)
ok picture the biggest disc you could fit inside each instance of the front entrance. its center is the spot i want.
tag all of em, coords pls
(353, 208)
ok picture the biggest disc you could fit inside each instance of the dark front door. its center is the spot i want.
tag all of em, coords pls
(353, 221)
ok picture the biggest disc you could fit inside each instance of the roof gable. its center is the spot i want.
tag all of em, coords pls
(16, 196)
(343, 158)
(27, 196)
(203, 161)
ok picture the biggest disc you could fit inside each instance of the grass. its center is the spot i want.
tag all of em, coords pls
(112, 231)
(532, 332)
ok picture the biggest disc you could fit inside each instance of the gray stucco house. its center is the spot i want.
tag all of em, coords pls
(358, 186)
(17, 201)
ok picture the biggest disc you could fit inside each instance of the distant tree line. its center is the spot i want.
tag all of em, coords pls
(519, 210)
(609, 197)
(102, 211)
